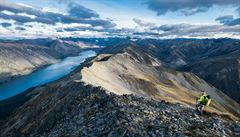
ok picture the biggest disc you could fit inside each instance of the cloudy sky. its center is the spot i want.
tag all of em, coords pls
(107, 18)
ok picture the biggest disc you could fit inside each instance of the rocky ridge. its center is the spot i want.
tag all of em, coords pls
(100, 114)
(90, 111)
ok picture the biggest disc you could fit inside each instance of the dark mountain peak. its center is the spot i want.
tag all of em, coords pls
(119, 47)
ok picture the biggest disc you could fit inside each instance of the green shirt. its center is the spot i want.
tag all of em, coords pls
(204, 99)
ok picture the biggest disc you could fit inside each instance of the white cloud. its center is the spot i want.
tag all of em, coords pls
(7, 21)
(62, 25)
(54, 10)
(24, 5)
(7, 12)
(27, 15)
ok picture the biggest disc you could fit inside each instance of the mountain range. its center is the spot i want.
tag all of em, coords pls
(143, 87)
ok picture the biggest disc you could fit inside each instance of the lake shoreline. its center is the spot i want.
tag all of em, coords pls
(9, 105)
(43, 75)
(32, 70)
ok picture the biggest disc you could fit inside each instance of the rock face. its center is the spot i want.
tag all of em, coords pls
(79, 110)
(19, 58)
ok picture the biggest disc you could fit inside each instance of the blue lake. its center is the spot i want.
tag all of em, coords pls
(43, 76)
